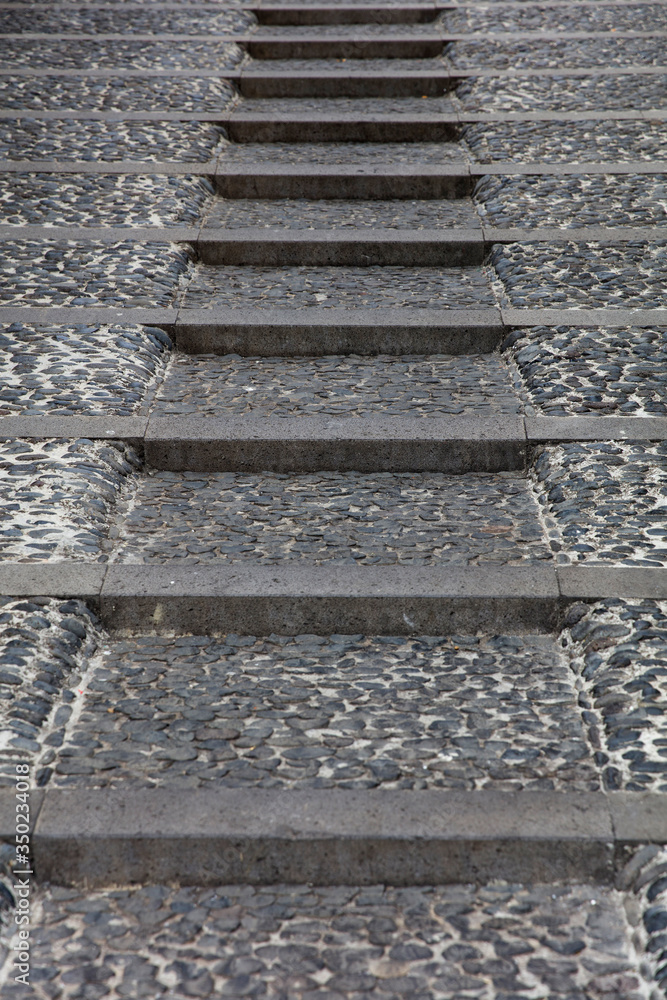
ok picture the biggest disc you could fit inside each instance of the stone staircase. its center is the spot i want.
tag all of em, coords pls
(336, 653)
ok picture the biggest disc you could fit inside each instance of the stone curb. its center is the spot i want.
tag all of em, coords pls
(264, 836)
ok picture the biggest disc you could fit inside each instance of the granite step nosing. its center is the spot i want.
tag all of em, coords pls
(334, 836)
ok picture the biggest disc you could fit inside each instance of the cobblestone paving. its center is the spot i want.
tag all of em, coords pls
(572, 17)
(339, 214)
(581, 142)
(650, 886)
(337, 386)
(101, 54)
(269, 31)
(619, 650)
(490, 943)
(575, 52)
(568, 371)
(305, 287)
(57, 497)
(94, 21)
(348, 106)
(574, 201)
(50, 93)
(102, 200)
(45, 645)
(66, 370)
(343, 65)
(383, 518)
(605, 502)
(345, 152)
(178, 142)
(313, 712)
(572, 275)
(50, 272)
(563, 93)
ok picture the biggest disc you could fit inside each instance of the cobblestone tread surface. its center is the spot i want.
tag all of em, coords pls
(348, 106)
(336, 386)
(578, 53)
(581, 142)
(330, 153)
(50, 272)
(339, 214)
(345, 65)
(569, 371)
(592, 275)
(107, 54)
(337, 287)
(571, 17)
(312, 712)
(93, 21)
(57, 497)
(45, 645)
(618, 648)
(102, 200)
(563, 93)
(605, 502)
(178, 142)
(49, 93)
(68, 370)
(573, 202)
(384, 518)
(556, 941)
(268, 31)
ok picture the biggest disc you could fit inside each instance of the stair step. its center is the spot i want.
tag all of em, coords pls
(347, 42)
(397, 119)
(370, 414)
(347, 78)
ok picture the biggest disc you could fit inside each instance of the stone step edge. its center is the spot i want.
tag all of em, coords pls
(153, 432)
(184, 319)
(244, 38)
(293, 599)
(450, 75)
(104, 837)
(449, 121)
(217, 170)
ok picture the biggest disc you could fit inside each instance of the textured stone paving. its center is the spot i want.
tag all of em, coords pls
(125, 54)
(331, 153)
(62, 272)
(48, 93)
(384, 518)
(593, 93)
(500, 941)
(337, 386)
(342, 711)
(579, 53)
(300, 213)
(57, 497)
(179, 142)
(568, 371)
(67, 370)
(573, 275)
(570, 17)
(605, 502)
(103, 200)
(92, 20)
(581, 142)
(307, 287)
(572, 202)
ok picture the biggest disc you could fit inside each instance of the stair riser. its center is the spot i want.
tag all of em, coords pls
(359, 186)
(456, 457)
(341, 86)
(396, 130)
(360, 48)
(356, 254)
(325, 615)
(286, 341)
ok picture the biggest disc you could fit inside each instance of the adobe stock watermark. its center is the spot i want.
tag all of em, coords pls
(22, 872)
